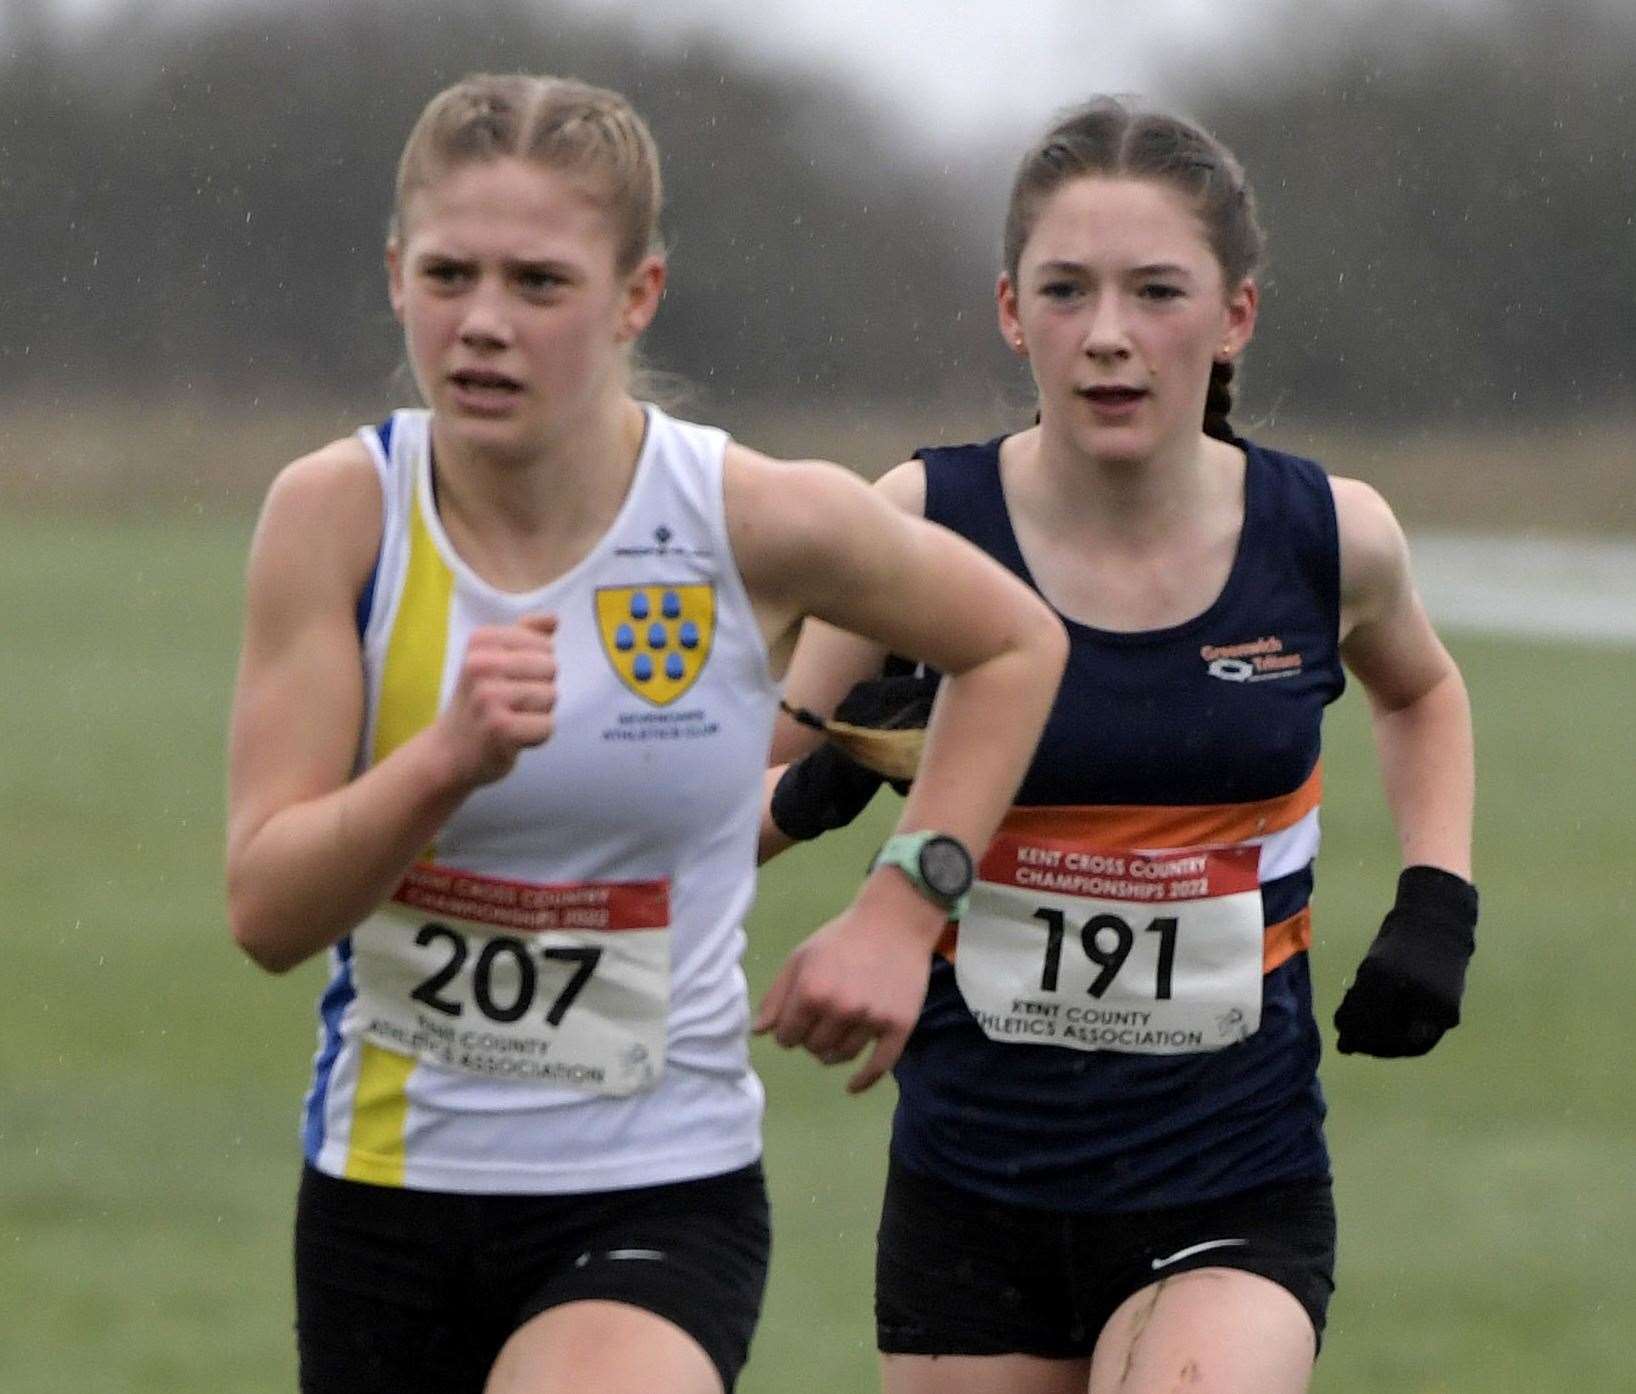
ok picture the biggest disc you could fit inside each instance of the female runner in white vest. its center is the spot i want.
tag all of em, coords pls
(508, 680)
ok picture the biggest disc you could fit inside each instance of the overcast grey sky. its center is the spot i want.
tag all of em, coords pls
(961, 69)
(964, 69)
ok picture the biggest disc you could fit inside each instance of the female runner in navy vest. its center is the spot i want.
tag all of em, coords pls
(517, 1179)
(1108, 1167)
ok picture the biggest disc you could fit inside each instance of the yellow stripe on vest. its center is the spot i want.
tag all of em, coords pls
(380, 1107)
(411, 683)
(412, 676)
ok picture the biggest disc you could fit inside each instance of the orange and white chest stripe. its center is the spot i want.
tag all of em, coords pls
(1134, 929)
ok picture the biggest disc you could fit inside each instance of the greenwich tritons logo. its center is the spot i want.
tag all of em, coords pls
(1258, 660)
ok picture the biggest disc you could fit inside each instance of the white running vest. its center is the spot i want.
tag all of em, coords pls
(552, 1001)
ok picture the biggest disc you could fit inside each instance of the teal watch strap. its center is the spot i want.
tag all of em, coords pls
(937, 865)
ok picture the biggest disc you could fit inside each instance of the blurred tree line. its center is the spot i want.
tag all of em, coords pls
(1451, 205)
(205, 201)
(199, 202)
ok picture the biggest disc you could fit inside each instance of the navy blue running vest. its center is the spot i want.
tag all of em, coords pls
(1213, 723)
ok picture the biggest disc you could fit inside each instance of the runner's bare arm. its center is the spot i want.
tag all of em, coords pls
(1418, 705)
(827, 663)
(310, 850)
(812, 540)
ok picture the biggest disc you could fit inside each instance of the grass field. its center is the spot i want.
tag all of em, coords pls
(149, 1077)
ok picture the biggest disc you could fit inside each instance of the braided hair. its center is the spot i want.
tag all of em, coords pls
(1218, 401)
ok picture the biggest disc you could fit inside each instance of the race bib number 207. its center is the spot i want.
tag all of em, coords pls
(563, 984)
(1155, 954)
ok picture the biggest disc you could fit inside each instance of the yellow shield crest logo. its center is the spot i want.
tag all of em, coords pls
(657, 636)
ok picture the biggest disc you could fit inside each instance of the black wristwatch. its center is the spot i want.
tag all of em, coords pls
(939, 866)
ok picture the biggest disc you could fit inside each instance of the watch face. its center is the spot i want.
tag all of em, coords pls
(945, 866)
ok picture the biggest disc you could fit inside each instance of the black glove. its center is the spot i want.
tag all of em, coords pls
(827, 789)
(1407, 990)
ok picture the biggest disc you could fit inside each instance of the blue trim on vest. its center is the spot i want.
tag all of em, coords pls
(331, 1007)
(366, 597)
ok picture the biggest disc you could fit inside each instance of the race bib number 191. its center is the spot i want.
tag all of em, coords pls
(1153, 954)
(563, 984)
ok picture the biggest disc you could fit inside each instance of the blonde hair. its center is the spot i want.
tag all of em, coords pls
(559, 123)
(892, 749)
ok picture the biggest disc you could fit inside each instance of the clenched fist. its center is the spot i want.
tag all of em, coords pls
(503, 699)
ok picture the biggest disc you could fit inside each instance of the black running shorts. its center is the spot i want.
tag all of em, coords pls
(957, 1274)
(415, 1292)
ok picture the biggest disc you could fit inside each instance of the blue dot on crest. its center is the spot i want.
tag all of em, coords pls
(642, 668)
(674, 667)
(639, 605)
(624, 638)
(671, 605)
(658, 635)
(689, 635)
